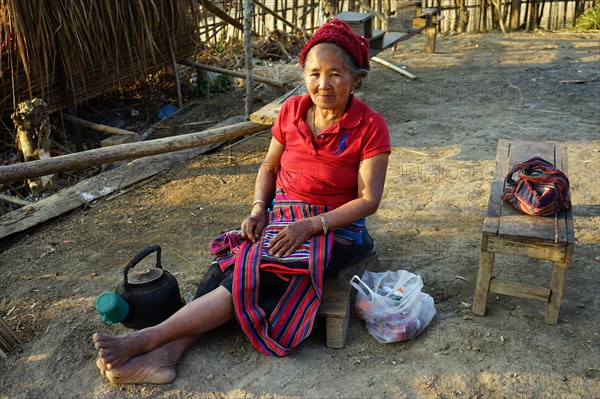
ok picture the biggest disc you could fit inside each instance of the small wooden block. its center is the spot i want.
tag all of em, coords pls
(335, 307)
(335, 303)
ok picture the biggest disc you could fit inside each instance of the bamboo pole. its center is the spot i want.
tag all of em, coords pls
(97, 126)
(232, 73)
(99, 156)
(276, 16)
(223, 15)
(175, 73)
(394, 67)
(248, 53)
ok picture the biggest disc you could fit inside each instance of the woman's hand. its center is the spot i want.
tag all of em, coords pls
(254, 224)
(294, 235)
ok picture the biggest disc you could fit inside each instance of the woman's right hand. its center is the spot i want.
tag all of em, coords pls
(254, 224)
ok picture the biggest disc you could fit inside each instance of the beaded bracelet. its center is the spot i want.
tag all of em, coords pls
(324, 223)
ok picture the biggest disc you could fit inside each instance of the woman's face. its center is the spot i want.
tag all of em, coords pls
(327, 78)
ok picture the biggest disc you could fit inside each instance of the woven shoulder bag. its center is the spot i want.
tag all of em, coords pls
(539, 189)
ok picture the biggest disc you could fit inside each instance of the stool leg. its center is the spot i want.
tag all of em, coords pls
(557, 282)
(482, 286)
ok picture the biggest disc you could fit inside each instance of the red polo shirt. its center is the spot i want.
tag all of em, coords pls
(324, 170)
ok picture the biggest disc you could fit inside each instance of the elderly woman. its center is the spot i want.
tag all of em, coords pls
(323, 174)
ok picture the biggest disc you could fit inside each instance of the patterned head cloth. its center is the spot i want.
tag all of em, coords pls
(339, 32)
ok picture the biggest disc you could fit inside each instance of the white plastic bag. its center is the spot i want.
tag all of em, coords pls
(392, 304)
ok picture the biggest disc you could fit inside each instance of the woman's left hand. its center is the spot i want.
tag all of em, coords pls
(291, 237)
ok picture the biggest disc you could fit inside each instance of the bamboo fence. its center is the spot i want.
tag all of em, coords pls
(120, 42)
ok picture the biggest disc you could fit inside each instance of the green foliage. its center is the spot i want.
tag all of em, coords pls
(589, 20)
(212, 83)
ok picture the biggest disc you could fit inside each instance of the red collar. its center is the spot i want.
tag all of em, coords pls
(350, 119)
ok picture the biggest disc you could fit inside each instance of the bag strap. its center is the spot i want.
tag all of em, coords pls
(532, 163)
(359, 285)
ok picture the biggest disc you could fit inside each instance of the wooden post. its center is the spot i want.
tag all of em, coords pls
(482, 286)
(557, 282)
(431, 35)
(249, 62)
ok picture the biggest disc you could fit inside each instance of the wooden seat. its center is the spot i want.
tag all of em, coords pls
(509, 231)
(335, 304)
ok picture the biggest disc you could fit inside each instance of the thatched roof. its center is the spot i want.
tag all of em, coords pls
(85, 48)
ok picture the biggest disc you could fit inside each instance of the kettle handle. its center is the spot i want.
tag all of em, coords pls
(136, 259)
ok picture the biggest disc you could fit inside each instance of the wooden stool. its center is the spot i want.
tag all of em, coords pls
(335, 304)
(509, 231)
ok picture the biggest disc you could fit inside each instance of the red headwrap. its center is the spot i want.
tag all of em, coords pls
(339, 32)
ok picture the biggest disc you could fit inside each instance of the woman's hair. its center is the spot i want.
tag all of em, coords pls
(348, 61)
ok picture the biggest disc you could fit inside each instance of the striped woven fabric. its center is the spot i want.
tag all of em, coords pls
(294, 316)
(540, 189)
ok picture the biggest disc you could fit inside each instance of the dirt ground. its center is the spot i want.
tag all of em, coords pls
(444, 127)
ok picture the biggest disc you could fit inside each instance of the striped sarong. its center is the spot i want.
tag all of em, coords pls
(293, 318)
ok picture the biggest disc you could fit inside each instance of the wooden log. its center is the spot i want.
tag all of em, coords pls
(114, 182)
(121, 152)
(97, 126)
(237, 74)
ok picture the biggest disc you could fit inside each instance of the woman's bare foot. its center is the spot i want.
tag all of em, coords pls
(116, 351)
(100, 364)
(155, 367)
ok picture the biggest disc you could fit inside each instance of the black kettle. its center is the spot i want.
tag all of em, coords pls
(152, 294)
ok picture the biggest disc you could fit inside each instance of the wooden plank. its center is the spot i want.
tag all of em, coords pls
(544, 250)
(519, 290)
(390, 39)
(267, 114)
(91, 189)
(9, 339)
(565, 226)
(360, 22)
(495, 203)
(376, 40)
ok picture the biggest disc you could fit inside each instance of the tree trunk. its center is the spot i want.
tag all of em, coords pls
(33, 139)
